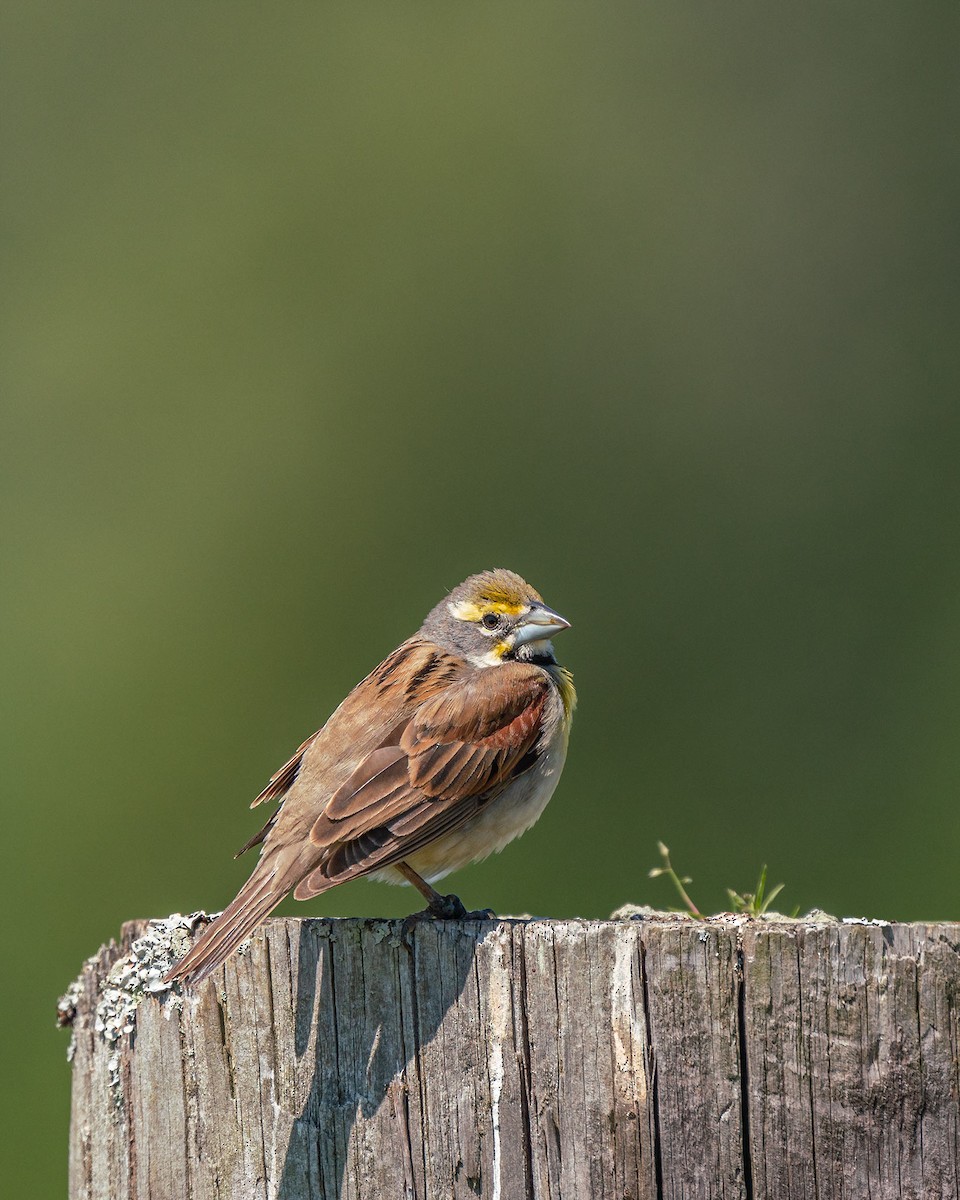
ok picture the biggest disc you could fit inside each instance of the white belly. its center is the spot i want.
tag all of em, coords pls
(505, 818)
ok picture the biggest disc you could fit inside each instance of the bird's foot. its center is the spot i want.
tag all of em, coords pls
(450, 908)
(447, 908)
(443, 908)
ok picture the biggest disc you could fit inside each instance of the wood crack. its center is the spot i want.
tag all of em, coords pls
(653, 1083)
(744, 1074)
(811, 1109)
(526, 1099)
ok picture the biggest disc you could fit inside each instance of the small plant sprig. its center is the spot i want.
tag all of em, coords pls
(675, 879)
(755, 904)
(751, 904)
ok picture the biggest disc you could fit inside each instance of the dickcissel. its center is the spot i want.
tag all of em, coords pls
(447, 751)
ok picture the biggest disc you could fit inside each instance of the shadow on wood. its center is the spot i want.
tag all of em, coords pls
(368, 1006)
(643, 1059)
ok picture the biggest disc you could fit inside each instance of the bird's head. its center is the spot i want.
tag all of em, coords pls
(493, 618)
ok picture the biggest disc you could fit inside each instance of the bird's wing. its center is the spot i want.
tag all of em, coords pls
(367, 717)
(280, 783)
(460, 748)
(282, 780)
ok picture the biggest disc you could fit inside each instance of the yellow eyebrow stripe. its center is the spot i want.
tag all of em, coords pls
(466, 610)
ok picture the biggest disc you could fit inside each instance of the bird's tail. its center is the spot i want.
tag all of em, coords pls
(258, 897)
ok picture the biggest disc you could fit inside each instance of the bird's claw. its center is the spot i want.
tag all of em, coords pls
(445, 908)
(450, 908)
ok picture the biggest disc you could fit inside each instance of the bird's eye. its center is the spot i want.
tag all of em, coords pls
(490, 621)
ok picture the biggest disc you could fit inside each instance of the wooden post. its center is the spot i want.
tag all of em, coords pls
(658, 1057)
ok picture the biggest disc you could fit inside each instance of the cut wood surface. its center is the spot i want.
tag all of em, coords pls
(658, 1057)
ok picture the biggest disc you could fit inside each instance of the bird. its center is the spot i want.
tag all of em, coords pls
(444, 753)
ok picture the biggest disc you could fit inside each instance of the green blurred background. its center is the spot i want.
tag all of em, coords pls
(311, 311)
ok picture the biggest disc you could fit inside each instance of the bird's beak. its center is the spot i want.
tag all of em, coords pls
(539, 625)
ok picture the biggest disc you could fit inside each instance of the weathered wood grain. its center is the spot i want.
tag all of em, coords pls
(852, 1060)
(656, 1058)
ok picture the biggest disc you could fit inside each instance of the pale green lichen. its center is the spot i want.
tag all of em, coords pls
(139, 973)
(644, 912)
(68, 1002)
(386, 931)
(133, 977)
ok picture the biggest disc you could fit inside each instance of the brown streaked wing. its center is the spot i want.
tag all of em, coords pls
(489, 727)
(459, 747)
